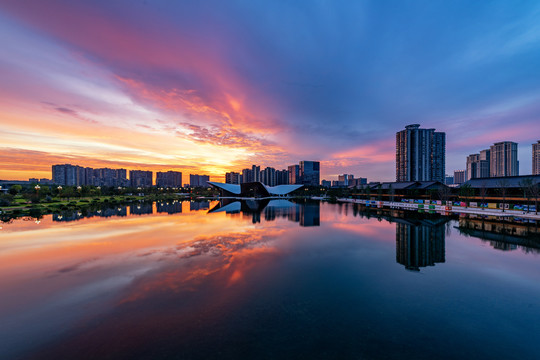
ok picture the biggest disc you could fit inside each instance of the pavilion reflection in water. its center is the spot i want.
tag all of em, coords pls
(306, 214)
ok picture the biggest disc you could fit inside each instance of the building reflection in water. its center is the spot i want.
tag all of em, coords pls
(502, 235)
(420, 243)
(104, 212)
(141, 209)
(308, 214)
(199, 205)
(420, 238)
(174, 207)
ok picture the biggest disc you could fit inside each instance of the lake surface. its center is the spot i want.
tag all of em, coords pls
(264, 280)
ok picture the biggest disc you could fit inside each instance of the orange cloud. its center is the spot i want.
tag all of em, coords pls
(207, 122)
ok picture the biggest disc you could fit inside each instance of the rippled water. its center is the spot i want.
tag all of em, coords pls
(265, 280)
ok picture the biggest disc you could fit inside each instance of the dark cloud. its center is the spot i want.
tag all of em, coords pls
(67, 111)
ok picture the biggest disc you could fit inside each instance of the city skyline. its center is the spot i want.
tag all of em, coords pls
(477, 165)
(217, 87)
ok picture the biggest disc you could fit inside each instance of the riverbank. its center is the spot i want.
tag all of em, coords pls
(444, 209)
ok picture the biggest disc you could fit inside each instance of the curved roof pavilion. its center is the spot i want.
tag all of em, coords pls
(254, 189)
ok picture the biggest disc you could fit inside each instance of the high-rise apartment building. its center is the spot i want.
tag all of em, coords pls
(68, 175)
(484, 165)
(256, 171)
(140, 178)
(198, 180)
(345, 179)
(268, 176)
(310, 173)
(472, 164)
(247, 176)
(89, 176)
(504, 159)
(109, 177)
(459, 177)
(536, 158)
(358, 182)
(73, 175)
(282, 177)
(59, 174)
(251, 175)
(294, 174)
(233, 178)
(169, 179)
(420, 154)
(478, 165)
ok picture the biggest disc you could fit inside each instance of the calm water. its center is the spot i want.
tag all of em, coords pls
(265, 281)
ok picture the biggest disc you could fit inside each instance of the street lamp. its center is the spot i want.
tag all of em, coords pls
(37, 187)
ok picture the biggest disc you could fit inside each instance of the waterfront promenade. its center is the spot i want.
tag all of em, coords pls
(443, 208)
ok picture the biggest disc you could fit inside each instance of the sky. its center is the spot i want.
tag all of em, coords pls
(206, 87)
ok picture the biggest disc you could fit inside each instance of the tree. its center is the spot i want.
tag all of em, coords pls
(503, 191)
(526, 185)
(444, 193)
(483, 193)
(68, 192)
(45, 190)
(534, 192)
(15, 189)
(465, 191)
(432, 193)
(6, 199)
